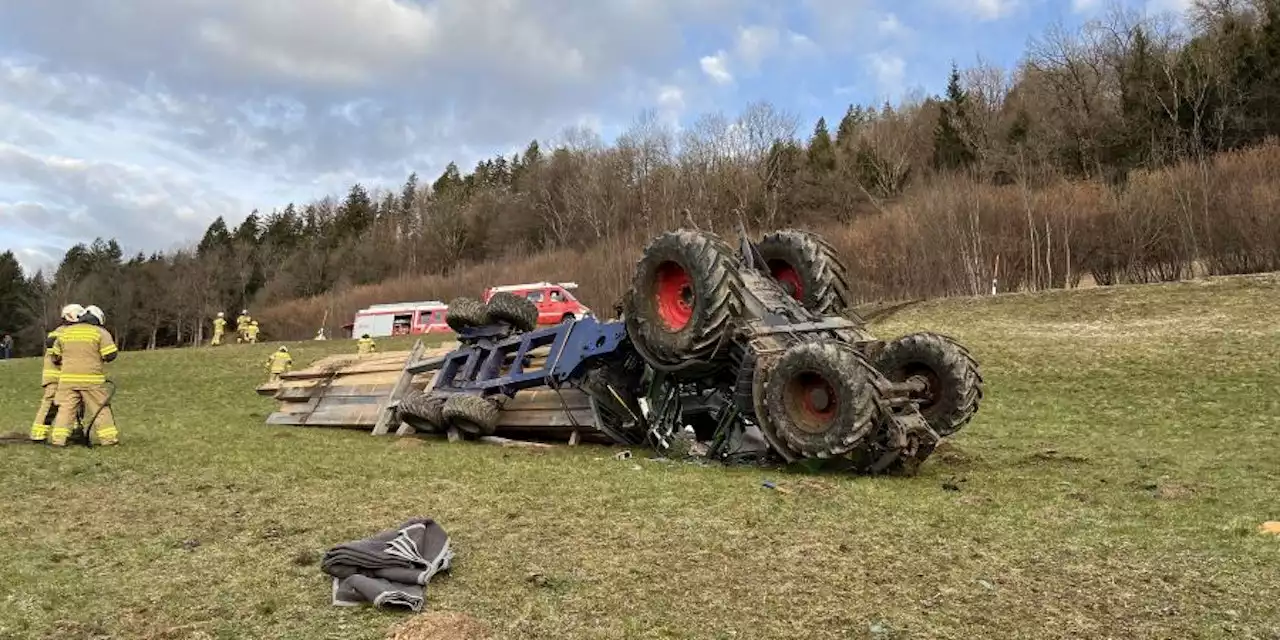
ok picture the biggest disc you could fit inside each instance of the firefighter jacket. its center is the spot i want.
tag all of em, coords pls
(81, 349)
(242, 322)
(51, 371)
(219, 325)
(251, 331)
(279, 362)
(365, 346)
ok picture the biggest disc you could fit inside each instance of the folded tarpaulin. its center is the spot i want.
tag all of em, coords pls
(391, 568)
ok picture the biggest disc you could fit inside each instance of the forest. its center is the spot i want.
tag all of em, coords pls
(1132, 149)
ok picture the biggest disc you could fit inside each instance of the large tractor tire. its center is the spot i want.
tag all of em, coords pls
(823, 399)
(471, 414)
(808, 268)
(953, 383)
(684, 298)
(517, 311)
(423, 411)
(465, 313)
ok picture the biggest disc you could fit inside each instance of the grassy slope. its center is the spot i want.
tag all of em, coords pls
(1112, 486)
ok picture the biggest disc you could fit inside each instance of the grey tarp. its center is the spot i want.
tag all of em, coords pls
(390, 568)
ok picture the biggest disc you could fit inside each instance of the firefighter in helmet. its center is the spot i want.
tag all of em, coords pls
(219, 326)
(365, 345)
(81, 349)
(50, 374)
(251, 332)
(279, 363)
(242, 324)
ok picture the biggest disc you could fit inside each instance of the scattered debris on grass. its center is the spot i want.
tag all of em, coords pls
(769, 484)
(440, 625)
(1053, 455)
(1272, 527)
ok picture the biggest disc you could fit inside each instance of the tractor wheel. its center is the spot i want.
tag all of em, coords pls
(807, 268)
(517, 311)
(953, 383)
(424, 411)
(684, 298)
(823, 398)
(465, 313)
(471, 414)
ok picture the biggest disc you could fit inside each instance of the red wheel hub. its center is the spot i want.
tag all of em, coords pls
(813, 401)
(674, 293)
(788, 277)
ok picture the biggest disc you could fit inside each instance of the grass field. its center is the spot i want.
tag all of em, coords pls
(1111, 487)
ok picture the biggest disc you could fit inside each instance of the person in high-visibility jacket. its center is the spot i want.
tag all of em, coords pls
(251, 332)
(219, 326)
(242, 324)
(279, 363)
(81, 350)
(365, 345)
(49, 376)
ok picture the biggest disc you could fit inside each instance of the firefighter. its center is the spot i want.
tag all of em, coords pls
(219, 326)
(278, 363)
(365, 345)
(251, 332)
(81, 349)
(50, 374)
(242, 324)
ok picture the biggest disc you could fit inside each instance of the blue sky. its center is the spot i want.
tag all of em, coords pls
(144, 120)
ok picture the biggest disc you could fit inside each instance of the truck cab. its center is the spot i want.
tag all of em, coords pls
(554, 301)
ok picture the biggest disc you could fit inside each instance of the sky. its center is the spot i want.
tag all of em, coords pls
(144, 120)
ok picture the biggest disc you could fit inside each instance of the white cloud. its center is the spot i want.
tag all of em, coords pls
(889, 25)
(1178, 7)
(671, 97)
(889, 71)
(756, 43)
(985, 9)
(717, 67)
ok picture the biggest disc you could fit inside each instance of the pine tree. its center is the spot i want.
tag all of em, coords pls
(217, 238)
(822, 157)
(952, 145)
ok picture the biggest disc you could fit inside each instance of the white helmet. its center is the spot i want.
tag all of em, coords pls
(94, 311)
(244, 312)
(72, 312)
(220, 314)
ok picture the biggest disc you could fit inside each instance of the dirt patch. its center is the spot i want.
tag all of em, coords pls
(1174, 491)
(1053, 456)
(950, 455)
(407, 443)
(440, 625)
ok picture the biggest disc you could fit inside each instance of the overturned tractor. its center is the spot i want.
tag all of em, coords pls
(726, 343)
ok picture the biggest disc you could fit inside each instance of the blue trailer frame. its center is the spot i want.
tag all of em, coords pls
(478, 365)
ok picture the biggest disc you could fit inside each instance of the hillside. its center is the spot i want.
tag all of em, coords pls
(1112, 485)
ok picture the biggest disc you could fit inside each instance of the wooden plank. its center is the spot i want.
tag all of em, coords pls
(406, 377)
(336, 391)
(543, 419)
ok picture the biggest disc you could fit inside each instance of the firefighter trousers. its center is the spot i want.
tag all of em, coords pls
(93, 397)
(44, 415)
(217, 339)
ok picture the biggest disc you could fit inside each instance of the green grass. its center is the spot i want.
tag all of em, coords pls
(1112, 486)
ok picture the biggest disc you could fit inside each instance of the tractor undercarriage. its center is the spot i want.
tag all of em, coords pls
(749, 353)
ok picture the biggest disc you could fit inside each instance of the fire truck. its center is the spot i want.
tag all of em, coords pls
(554, 301)
(400, 319)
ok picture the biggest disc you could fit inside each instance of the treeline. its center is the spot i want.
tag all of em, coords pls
(1125, 151)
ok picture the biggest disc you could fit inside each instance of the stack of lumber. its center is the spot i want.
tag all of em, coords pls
(348, 392)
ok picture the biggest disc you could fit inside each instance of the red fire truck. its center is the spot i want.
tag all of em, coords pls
(400, 319)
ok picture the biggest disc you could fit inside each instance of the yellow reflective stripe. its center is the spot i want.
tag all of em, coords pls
(83, 378)
(108, 350)
(108, 432)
